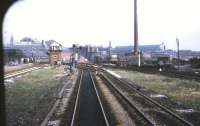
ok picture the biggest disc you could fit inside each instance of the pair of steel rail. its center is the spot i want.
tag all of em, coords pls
(75, 111)
(20, 72)
(111, 81)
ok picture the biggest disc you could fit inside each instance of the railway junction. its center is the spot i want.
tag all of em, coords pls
(96, 86)
(81, 93)
(92, 95)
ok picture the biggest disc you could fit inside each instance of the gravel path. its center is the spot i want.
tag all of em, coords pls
(122, 117)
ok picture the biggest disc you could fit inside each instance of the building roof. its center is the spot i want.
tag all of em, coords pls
(29, 51)
(55, 44)
(143, 48)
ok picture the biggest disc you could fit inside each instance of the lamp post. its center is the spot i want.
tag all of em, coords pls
(72, 58)
(31, 55)
(79, 52)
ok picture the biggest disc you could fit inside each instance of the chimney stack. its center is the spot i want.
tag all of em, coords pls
(135, 28)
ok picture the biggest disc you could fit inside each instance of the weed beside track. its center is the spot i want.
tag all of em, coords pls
(30, 97)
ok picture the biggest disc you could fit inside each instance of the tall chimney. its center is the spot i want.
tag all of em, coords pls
(135, 28)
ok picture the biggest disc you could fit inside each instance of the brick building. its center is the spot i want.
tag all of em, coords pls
(55, 51)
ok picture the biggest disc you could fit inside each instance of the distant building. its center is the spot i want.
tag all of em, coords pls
(188, 54)
(12, 56)
(27, 41)
(66, 55)
(55, 56)
(29, 53)
(142, 48)
(47, 43)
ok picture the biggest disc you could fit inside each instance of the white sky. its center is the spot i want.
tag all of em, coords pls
(99, 21)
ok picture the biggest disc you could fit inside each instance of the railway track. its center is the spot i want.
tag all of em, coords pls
(136, 114)
(17, 73)
(88, 109)
(150, 111)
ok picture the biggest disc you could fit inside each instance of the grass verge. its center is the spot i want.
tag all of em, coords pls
(29, 98)
(186, 92)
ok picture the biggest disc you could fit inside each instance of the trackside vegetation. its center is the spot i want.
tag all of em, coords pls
(182, 91)
(31, 96)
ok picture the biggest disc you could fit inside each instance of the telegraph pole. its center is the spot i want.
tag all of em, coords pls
(109, 52)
